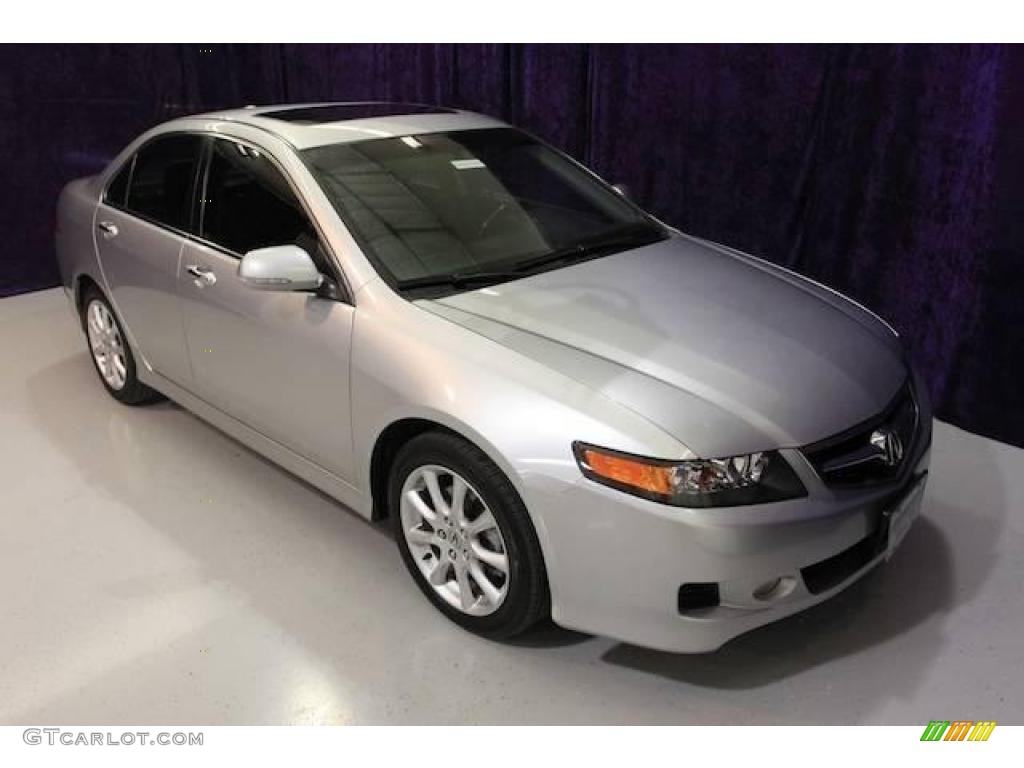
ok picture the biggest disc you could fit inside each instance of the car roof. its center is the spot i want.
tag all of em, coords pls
(317, 124)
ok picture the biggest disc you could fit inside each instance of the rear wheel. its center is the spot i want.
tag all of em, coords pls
(111, 355)
(466, 537)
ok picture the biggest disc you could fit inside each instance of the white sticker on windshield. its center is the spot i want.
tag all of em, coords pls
(463, 165)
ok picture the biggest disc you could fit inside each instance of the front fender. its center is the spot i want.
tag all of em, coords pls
(408, 363)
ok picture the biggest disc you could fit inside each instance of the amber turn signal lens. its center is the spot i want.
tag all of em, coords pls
(647, 477)
(734, 481)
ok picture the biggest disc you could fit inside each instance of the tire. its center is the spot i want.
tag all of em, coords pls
(124, 386)
(526, 599)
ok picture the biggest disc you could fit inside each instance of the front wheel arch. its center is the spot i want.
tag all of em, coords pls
(528, 598)
(406, 426)
(389, 442)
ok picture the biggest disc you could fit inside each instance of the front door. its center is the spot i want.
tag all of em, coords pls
(277, 361)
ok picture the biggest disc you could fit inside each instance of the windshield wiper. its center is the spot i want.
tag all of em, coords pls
(458, 280)
(626, 237)
(630, 236)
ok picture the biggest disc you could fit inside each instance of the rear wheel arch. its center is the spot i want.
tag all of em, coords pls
(111, 343)
(85, 283)
(82, 284)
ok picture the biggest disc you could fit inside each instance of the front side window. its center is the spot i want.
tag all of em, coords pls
(471, 203)
(248, 204)
(162, 180)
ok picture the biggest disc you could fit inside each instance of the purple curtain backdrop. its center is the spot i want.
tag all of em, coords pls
(892, 173)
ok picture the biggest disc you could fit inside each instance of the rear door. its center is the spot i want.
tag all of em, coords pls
(141, 227)
(278, 361)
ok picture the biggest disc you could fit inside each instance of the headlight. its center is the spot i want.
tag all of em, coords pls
(754, 478)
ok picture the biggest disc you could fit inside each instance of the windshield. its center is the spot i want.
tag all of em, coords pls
(472, 206)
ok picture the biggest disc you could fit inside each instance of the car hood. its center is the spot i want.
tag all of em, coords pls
(722, 351)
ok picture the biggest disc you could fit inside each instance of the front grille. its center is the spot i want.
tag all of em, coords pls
(850, 459)
(828, 573)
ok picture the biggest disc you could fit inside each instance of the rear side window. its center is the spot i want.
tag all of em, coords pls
(162, 181)
(117, 190)
(248, 204)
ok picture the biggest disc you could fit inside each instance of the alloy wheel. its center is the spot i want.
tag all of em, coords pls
(455, 540)
(106, 344)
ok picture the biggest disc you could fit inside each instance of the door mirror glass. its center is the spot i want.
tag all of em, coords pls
(280, 268)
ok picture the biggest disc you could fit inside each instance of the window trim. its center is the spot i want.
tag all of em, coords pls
(346, 295)
(199, 197)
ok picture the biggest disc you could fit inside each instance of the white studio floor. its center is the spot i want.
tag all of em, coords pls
(153, 571)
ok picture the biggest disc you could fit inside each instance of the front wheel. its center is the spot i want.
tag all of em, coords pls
(466, 537)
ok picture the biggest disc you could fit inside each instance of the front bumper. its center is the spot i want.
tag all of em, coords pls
(616, 562)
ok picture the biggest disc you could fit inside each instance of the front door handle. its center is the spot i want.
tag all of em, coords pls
(202, 276)
(108, 228)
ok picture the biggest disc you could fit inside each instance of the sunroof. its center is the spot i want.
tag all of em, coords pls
(333, 113)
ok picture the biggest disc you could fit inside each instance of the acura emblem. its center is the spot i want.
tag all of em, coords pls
(889, 446)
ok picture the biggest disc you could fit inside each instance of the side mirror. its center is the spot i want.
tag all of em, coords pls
(279, 268)
(622, 189)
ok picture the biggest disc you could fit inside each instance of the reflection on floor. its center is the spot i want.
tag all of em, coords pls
(154, 571)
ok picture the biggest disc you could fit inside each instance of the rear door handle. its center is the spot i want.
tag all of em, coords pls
(202, 276)
(108, 228)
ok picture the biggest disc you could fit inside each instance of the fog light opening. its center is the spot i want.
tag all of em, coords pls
(774, 589)
(698, 596)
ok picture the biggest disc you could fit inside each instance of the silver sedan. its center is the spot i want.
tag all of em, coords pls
(565, 407)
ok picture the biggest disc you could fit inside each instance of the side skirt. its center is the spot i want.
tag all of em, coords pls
(284, 457)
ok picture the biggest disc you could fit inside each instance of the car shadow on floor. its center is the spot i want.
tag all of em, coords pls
(547, 634)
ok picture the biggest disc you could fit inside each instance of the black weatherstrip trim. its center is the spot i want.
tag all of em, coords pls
(334, 113)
